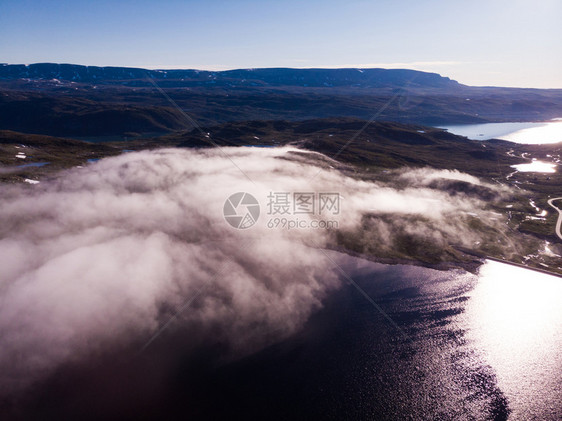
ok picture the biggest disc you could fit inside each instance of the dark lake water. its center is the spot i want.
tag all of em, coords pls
(467, 347)
(476, 348)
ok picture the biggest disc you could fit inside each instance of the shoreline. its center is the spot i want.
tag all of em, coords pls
(495, 259)
(469, 266)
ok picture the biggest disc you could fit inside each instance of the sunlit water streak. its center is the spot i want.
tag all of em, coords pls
(514, 316)
(536, 166)
(526, 133)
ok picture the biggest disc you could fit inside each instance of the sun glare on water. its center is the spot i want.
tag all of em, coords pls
(516, 320)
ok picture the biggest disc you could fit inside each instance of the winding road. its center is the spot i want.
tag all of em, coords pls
(559, 222)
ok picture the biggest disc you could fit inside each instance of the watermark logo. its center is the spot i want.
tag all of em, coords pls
(286, 210)
(285, 203)
(302, 210)
(241, 210)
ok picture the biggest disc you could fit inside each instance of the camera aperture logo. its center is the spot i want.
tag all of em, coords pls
(241, 210)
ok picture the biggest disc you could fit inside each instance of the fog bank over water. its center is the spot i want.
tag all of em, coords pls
(103, 256)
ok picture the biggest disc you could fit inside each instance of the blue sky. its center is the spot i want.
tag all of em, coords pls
(477, 42)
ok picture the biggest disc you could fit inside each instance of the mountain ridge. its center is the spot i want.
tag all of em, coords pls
(277, 76)
(88, 101)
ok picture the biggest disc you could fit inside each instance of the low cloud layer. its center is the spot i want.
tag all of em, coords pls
(104, 256)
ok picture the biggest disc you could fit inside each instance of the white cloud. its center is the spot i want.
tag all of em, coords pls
(103, 255)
